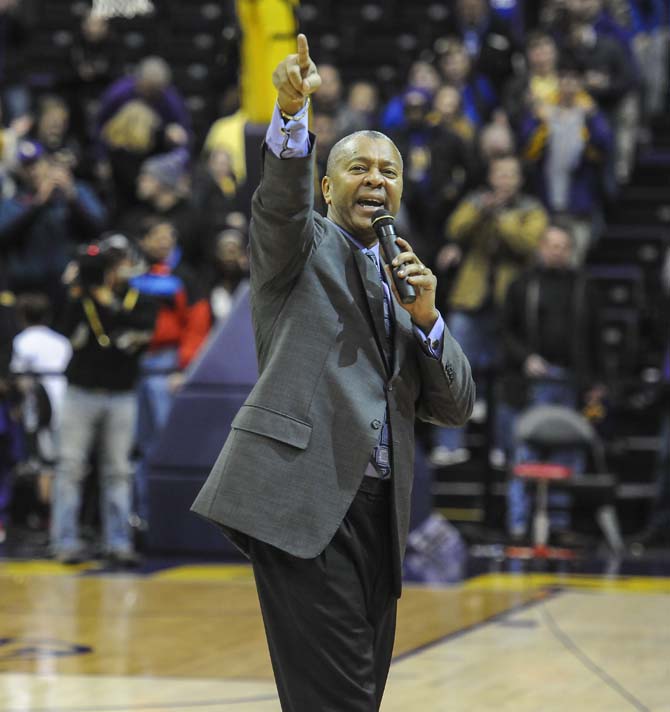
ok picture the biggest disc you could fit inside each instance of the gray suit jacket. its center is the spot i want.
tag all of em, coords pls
(300, 444)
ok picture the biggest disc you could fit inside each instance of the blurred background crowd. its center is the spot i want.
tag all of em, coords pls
(536, 143)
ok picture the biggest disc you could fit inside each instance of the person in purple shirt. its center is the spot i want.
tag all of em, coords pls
(139, 115)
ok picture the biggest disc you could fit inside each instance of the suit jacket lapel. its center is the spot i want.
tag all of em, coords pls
(374, 293)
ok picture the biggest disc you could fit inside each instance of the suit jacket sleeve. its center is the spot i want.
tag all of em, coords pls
(282, 222)
(447, 387)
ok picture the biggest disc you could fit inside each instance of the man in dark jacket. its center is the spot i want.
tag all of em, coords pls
(548, 340)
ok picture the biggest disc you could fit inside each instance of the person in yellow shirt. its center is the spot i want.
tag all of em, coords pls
(493, 234)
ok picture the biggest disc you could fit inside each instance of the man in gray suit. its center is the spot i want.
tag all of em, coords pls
(314, 480)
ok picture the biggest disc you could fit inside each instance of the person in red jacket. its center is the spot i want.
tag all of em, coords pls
(182, 326)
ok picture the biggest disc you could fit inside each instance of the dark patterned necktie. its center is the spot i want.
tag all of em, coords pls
(381, 456)
(388, 320)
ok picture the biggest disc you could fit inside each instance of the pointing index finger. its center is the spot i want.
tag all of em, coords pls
(303, 52)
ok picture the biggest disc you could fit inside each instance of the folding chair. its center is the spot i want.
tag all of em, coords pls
(549, 429)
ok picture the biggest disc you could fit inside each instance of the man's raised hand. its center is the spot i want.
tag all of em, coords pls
(295, 78)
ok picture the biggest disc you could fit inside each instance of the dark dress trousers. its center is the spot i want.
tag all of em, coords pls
(288, 487)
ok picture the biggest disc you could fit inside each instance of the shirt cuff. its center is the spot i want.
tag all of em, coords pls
(288, 139)
(432, 344)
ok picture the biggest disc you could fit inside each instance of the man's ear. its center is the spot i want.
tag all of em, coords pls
(325, 189)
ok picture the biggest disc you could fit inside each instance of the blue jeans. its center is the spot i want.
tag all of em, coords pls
(154, 401)
(518, 505)
(87, 414)
(476, 332)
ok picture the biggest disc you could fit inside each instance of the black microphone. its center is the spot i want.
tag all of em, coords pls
(382, 222)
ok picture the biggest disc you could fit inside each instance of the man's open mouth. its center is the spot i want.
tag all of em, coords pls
(370, 203)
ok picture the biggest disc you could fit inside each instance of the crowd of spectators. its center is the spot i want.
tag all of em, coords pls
(117, 231)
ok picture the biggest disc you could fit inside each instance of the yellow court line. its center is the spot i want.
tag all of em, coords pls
(206, 572)
(203, 572)
(521, 582)
(243, 573)
(38, 567)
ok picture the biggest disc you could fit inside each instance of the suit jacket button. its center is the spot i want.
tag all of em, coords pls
(376, 424)
(389, 386)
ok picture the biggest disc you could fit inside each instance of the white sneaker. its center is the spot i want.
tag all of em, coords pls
(479, 411)
(497, 458)
(517, 532)
(442, 456)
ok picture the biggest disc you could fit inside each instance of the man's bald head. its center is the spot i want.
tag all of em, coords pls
(342, 146)
(364, 174)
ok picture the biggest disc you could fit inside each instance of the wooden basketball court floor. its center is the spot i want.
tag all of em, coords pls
(190, 639)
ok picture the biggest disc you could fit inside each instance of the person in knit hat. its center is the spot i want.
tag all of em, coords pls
(166, 170)
(163, 189)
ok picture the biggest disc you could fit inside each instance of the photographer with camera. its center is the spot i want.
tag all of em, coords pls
(41, 224)
(109, 324)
